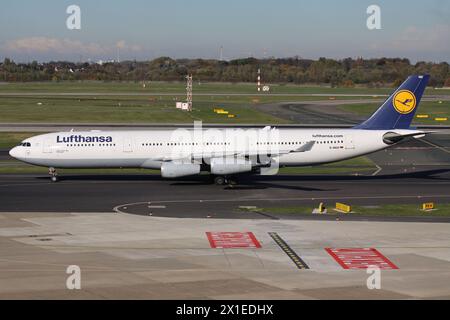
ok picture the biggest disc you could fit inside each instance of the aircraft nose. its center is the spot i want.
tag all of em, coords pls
(13, 152)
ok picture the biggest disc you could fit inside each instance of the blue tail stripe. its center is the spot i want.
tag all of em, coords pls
(398, 114)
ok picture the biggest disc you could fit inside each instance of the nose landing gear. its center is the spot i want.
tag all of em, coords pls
(53, 174)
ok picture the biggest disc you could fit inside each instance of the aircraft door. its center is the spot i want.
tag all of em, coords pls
(47, 146)
(128, 144)
(349, 143)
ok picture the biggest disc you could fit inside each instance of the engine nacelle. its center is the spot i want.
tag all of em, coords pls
(224, 166)
(176, 170)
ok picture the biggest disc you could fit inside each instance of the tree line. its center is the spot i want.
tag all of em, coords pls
(345, 72)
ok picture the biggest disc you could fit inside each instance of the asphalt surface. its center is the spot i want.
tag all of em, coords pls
(40, 127)
(323, 111)
(4, 155)
(197, 197)
(88, 94)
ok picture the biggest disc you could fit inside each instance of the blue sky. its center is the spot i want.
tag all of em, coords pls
(419, 30)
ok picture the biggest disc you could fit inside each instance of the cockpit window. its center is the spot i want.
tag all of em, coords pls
(25, 144)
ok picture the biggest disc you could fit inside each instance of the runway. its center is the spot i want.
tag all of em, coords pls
(196, 197)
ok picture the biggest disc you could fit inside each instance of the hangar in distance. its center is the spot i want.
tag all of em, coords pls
(224, 152)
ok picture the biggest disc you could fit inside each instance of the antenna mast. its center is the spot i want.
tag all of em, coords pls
(189, 92)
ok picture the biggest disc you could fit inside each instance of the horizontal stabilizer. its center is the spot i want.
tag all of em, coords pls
(393, 137)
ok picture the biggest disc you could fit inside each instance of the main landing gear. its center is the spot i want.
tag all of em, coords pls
(222, 180)
(53, 174)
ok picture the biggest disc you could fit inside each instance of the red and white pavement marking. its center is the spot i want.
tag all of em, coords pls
(360, 258)
(232, 240)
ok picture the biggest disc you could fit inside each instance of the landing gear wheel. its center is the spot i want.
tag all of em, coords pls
(54, 175)
(219, 180)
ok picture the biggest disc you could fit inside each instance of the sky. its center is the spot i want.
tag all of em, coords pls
(146, 29)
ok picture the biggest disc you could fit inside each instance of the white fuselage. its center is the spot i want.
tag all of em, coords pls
(150, 148)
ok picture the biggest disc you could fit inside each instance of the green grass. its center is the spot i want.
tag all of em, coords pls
(129, 110)
(398, 210)
(11, 139)
(153, 108)
(432, 108)
(137, 109)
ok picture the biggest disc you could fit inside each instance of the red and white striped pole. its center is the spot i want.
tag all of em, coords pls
(259, 80)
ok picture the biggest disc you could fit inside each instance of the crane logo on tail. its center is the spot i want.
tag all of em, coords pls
(404, 101)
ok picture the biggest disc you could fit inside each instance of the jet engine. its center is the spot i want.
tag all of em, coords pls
(176, 170)
(225, 166)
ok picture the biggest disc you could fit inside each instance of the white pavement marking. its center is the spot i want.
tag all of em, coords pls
(378, 170)
(435, 145)
(117, 208)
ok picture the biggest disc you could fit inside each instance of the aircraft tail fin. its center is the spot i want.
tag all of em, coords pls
(398, 111)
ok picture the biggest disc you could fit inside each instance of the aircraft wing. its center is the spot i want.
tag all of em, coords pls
(206, 155)
(305, 148)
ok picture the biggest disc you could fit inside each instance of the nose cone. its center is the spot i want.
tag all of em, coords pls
(14, 152)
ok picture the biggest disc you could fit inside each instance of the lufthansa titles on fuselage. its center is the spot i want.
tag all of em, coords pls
(327, 136)
(83, 139)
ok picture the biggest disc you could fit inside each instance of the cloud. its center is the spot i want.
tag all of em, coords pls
(47, 45)
(435, 38)
(121, 44)
(430, 43)
(63, 47)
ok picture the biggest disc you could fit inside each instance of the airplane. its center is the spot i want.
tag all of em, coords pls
(225, 153)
